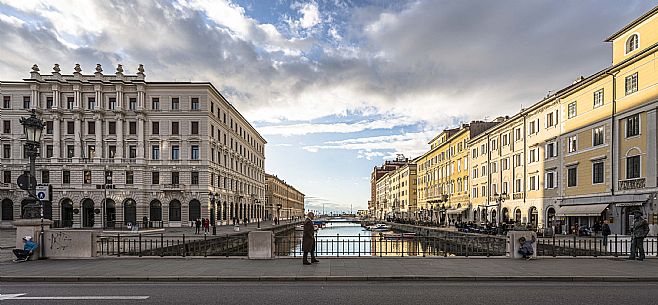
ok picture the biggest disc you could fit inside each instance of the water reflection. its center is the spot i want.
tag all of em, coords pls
(350, 239)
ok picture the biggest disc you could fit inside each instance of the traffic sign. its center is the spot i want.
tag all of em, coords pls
(42, 193)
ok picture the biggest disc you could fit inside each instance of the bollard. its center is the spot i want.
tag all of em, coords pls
(184, 246)
(118, 244)
(554, 254)
(574, 246)
(616, 253)
(140, 245)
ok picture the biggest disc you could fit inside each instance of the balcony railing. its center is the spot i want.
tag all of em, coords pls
(632, 184)
(6, 186)
(517, 196)
(173, 187)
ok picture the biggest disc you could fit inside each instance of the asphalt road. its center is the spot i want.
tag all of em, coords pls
(334, 293)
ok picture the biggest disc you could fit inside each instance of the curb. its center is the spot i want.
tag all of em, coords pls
(54, 279)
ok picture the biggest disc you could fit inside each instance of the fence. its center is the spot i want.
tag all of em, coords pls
(161, 245)
(113, 225)
(400, 245)
(614, 246)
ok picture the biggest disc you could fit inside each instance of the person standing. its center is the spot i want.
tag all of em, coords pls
(640, 230)
(605, 232)
(197, 224)
(308, 240)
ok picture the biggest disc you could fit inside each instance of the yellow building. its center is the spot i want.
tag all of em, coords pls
(282, 200)
(396, 191)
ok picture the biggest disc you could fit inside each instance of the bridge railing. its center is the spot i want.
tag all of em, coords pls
(167, 245)
(613, 246)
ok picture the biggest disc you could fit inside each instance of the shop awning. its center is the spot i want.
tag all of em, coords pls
(582, 210)
(457, 211)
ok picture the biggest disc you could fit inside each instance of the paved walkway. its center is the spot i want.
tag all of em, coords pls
(230, 269)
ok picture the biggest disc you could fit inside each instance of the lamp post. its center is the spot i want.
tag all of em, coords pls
(108, 181)
(258, 212)
(278, 211)
(212, 213)
(33, 127)
(499, 202)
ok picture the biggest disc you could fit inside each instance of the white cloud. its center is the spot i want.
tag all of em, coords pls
(313, 128)
(409, 144)
(310, 15)
(11, 20)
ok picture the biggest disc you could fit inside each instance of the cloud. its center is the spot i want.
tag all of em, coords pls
(410, 144)
(315, 128)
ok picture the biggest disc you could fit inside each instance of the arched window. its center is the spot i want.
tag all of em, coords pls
(129, 211)
(194, 209)
(174, 210)
(7, 210)
(632, 43)
(517, 215)
(155, 210)
(66, 209)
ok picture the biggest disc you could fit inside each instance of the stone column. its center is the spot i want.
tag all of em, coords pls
(140, 136)
(119, 153)
(119, 97)
(99, 137)
(56, 136)
(56, 97)
(77, 136)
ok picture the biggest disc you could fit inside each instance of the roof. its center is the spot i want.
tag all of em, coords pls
(635, 22)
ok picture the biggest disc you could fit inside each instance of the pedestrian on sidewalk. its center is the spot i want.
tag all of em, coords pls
(29, 247)
(197, 224)
(605, 231)
(308, 240)
(640, 230)
(526, 249)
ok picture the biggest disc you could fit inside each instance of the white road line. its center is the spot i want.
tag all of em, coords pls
(20, 296)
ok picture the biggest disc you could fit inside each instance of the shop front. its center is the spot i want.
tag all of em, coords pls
(574, 218)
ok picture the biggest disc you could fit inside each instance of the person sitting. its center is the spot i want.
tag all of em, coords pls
(29, 246)
(526, 249)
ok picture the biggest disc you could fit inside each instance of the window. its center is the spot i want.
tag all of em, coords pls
(112, 128)
(194, 178)
(494, 144)
(534, 183)
(633, 126)
(66, 177)
(155, 178)
(175, 152)
(112, 151)
(175, 103)
(517, 134)
(517, 186)
(86, 177)
(572, 110)
(550, 150)
(550, 181)
(69, 151)
(174, 128)
(533, 155)
(49, 151)
(69, 102)
(155, 103)
(26, 102)
(504, 163)
(598, 98)
(6, 176)
(532, 128)
(70, 127)
(631, 84)
(597, 136)
(132, 103)
(49, 102)
(505, 139)
(573, 143)
(572, 176)
(91, 103)
(474, 153)
(108, 177)
(130, 177)
(6, 126)
(195, 152)
(195, 103)
(6, 102)
(132, 151)
(91, 128)
(6, 151)
(132, 127)
(175, 178)
(632, 43)
(91, 151)
(112, 103)
(633, 167)
(155, 152)
(195, 127)
(597, 172)
(155, 128)
(475, 192)
(475, 172)
(517, 160)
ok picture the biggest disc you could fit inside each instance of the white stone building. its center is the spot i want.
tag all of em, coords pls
(165, 148)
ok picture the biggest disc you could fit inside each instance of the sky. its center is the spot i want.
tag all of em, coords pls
(336, 87)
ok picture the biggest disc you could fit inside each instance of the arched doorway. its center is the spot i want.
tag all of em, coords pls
(88, 213)
(224, 212)
(174, 210)
(110, 213)
(627, 214)
(155, 210)
(194, 209)
(493, 216)
(232, 210)
(7, 209)
(66, 208)
(517, 216)
(483, 215)
(505, 213)
(534, 217)
(475, 215)
(129, 211)
(552, 221)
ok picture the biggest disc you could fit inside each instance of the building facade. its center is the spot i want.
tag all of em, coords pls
(396, 191)
(282, 200)
(375, 206)
(117, 149)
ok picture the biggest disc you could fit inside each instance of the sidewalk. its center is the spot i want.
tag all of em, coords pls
(354, 269)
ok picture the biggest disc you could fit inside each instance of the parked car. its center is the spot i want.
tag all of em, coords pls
(584, 231)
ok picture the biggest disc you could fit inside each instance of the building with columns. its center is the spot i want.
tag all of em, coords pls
(282, 200)
(117, 149)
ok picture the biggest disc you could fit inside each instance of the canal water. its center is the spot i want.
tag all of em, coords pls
(344, 238)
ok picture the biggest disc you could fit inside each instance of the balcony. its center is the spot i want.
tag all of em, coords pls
(517, 196)
(173, 187)
(65, 160)
(631, 184)
(6, 186)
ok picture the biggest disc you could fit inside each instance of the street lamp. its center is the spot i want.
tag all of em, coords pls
(258, 211)
(212, 213)
(278, 212)
(499, 201)
(108, 181)
(32, 128)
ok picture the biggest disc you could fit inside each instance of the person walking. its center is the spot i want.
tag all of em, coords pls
(308, 240)
(605, 232)
(197, 224)
(640, 230)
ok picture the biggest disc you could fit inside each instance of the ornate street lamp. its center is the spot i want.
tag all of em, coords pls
(258, 211)
(499, 202)
(212, 213)
(32, 128)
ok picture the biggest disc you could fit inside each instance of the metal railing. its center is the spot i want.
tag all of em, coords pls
(614, 246)
(161, 245)
(400, 245)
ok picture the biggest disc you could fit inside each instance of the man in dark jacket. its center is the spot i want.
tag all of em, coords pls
(605, 231)
(640, 231)
(308, 241)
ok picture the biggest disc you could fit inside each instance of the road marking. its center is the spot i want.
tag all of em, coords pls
(20, 296)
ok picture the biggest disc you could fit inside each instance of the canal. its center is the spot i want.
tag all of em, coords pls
(344, 238)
